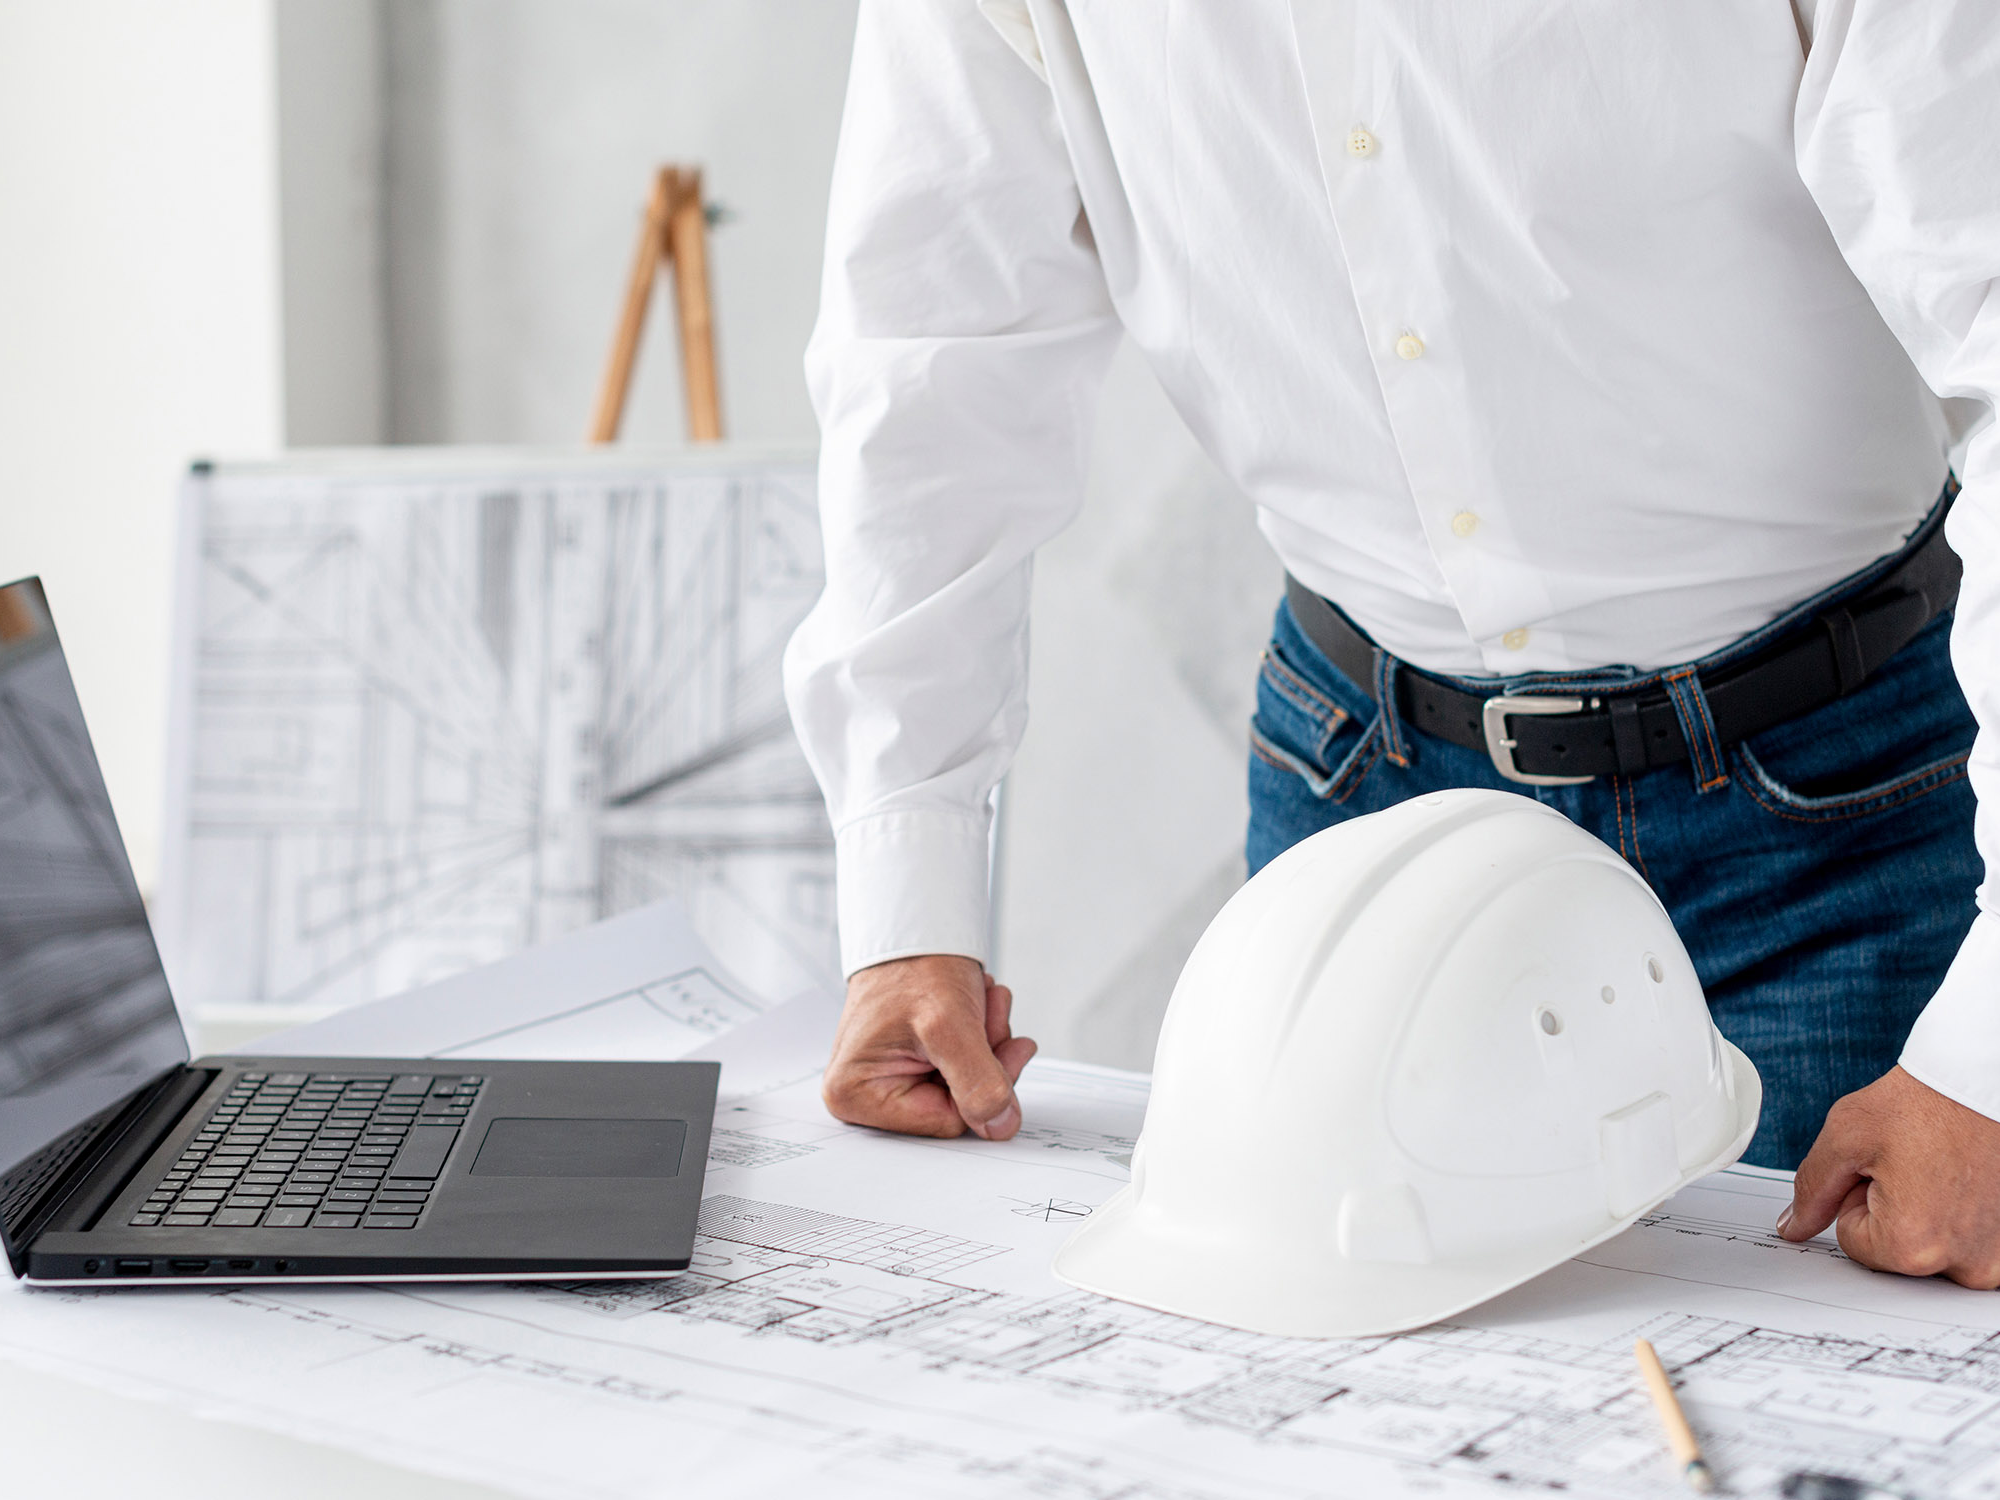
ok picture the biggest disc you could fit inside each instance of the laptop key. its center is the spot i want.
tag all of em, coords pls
(184, 1221)
(326, 1220)
(236, 1218)
(389, 1221)
(144, 1221)
(423, 1154)
(288, 1218)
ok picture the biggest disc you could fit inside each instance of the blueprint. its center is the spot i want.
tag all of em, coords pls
(434, 707)
(874, 1316)
(635, 987)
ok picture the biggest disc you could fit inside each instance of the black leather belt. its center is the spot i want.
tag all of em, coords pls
(1552, 739)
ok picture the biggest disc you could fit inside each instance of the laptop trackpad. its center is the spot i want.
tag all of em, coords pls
(581, 1148)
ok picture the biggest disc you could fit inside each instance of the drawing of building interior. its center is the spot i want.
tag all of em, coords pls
(436, 721)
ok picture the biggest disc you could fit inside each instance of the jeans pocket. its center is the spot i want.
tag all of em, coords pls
(1904, 734)
(1774, 796)
(1300, 729)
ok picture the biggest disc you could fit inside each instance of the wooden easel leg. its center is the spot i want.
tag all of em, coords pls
(687, 244)
(667, 193)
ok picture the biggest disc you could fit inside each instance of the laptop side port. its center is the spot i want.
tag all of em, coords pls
(135, 1268)
(188, 1267)
(243, 1265)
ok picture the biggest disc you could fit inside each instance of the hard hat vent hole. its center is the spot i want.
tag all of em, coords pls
(1549, 1021)
(1608, 995)
(1653, 970)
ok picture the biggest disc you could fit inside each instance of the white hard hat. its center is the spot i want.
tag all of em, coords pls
(1420, 1058)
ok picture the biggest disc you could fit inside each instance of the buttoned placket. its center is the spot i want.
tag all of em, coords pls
(1371, 161)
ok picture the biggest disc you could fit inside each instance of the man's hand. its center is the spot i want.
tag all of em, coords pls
(1913, 1179)
(924, 1048)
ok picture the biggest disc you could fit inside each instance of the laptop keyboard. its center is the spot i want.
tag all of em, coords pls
(319, 1150)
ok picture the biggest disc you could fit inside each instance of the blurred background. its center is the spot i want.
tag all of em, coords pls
(235, 227)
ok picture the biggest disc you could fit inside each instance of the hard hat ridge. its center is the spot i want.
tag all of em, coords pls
(1419, 1058)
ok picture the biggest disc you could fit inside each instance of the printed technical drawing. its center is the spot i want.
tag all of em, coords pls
(869, 1315)
(435, 714)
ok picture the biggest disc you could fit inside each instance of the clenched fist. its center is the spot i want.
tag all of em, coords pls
(1911, 1178)
(924, 1048)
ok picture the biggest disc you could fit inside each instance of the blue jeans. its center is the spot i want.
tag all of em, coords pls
(1821, 873)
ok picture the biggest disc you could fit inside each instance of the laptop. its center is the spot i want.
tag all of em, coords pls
(122, 1161)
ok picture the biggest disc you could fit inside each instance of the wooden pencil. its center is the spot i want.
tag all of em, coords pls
(1680, 1436)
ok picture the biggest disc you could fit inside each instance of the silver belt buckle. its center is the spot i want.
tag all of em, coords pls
(1493, 718)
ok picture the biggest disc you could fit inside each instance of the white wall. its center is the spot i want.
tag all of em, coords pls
(139, 281)
(1125, 811)
(331, 167)
(522, 141)
(461, 186)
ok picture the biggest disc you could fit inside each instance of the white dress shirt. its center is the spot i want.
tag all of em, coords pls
(1544, 334)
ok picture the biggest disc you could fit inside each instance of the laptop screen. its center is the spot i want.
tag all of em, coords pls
(85, 1016)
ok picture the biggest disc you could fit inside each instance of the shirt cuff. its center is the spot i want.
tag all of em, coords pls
(909, 883)
(1955, 1045)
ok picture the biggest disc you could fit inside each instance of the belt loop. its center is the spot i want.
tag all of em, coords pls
(1698, 729)
(1848, 665)
(1627, 738)
(1394, 746)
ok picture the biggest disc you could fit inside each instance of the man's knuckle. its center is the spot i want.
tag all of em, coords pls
(988, 1099)
(1916, 1252)
(935, 1020)
(1981, 1275)
(844, 1097)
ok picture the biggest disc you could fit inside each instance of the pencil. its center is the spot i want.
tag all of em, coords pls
(1680, 1436)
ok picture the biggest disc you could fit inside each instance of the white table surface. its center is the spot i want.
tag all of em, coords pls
(75, 1442)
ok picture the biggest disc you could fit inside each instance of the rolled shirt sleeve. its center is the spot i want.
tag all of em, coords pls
(1898, 134)
(963, 334)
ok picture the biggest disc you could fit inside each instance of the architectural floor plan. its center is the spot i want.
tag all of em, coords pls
(874, 1316)
(433, 708)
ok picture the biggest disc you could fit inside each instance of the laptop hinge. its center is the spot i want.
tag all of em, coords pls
(119, 1148)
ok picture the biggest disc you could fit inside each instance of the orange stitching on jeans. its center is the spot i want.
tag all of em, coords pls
(1628, 783)
(1879, 800)
(1389, 715)
(1337, 790)
(1288, 682)
(1257, 749)
(1344, 788)
(1697, 700)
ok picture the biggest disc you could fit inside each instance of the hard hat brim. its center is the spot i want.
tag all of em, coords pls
(1117, 1254)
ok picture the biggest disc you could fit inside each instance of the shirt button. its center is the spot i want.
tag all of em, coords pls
(1409, 346)
(1360, 142)
(1515, 639)
(1464, 523)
